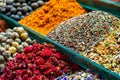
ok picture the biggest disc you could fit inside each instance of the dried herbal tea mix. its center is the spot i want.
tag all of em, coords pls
(80, 32)
(107, 51)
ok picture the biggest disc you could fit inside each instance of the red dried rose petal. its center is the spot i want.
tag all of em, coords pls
(36, 47)
(28, 49)
(39, 62)
(2, 78)
(36, 72)
(57, 55)
(20, 56)
(46, 53)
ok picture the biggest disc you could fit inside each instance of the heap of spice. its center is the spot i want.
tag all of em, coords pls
(3, 25)
(51, 14)
(107, 52)
(79, 33)
(39, 62)
(12, 41)
(81, 75)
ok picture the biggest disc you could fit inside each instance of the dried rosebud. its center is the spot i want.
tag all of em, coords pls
(2, 78)
(19, 72)
(59, 73)
(58, 55)
(42, 77)
(28, 49)
(36, 47)
(20, 56)
(46, 53)
(36, 72)
(30, 56)
(48, 71)
(39, 61)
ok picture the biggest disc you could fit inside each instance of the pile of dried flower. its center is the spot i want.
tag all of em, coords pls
(39, 62)
(12, 41)
(107, 51)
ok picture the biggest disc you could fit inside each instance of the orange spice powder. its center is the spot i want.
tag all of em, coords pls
(51, 14)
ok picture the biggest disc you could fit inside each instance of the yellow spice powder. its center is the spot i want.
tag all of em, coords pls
(51, 14)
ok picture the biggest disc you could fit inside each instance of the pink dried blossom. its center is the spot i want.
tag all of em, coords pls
(28, 49)
(39, 62)
(46, 53)
(36, 48)
(57, 55)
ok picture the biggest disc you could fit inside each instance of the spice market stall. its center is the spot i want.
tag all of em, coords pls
(59, 40)
(39, 61)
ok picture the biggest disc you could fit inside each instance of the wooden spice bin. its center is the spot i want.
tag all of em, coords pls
(74, 56)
